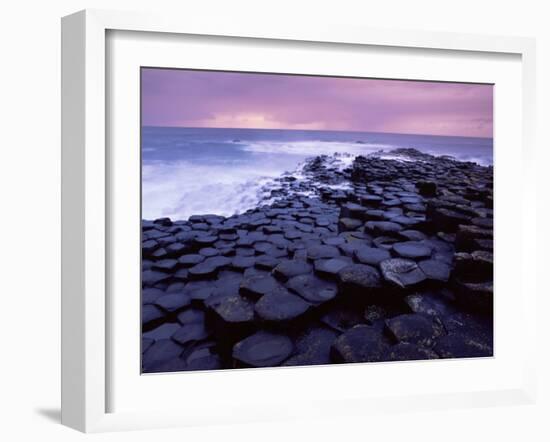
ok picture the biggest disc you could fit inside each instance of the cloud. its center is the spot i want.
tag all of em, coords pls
(173, 97)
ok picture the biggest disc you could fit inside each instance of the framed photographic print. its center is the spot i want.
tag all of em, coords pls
(250, 214)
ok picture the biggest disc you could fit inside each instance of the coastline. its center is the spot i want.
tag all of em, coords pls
(371, 259)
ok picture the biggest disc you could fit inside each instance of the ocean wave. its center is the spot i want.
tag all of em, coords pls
(181, 189)
(317, 147)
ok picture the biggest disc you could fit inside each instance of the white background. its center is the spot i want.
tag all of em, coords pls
(30, 222)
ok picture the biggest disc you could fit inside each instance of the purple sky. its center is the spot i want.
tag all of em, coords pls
(183, 98)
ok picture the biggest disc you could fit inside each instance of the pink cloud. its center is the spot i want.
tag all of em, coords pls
(222, 99)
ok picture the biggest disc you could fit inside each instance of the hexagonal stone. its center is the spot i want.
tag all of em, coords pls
(165, 265)
(232, 309)
(405, 351)
(322, 251)
(313, 347)
(150, 294)
(152, 277)
(347, 224)
(190, 332)
(243, 262)
(331, 267)
(371, 255)
(430, 304)
(361, 343)
(208, 252)
(383, 227)
(402, 272)
(288, 268)
(258, 285)
(190, 260)
(360, 276)
(205, 240)
(263, 349)
(436, 270)
(462, 346)
(280, 305)
(203, 271)
(342, 318)
(412, 249)
(146, 344)
(160, 352)
(334, 241)
(163, 331)
(415, 328)
(312, 288)
(266, 262)
(412, 235)
(151, 314)
(173, 302)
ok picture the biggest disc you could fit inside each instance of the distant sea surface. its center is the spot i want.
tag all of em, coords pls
(190, 171)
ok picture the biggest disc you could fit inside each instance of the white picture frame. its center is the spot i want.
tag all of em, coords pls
(86, 217)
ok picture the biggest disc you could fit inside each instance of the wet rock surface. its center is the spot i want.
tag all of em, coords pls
(383, 260)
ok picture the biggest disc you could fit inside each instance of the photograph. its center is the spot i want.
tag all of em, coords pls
(305, 220)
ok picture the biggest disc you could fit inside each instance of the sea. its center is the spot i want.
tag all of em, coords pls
(191, 171)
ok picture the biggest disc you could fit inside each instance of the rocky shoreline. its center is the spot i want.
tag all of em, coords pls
(382, 260)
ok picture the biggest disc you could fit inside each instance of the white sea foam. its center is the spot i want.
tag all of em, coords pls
(312, 147)
(181, 189)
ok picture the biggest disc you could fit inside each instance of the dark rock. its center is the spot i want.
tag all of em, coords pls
(448, 220)
(427, 188)
(360, 276)
(361, 343)
(163, 331)
(160, 352)
(190, 332)
(150, 295)
(151, 314)
(331, 267)
(342, 318)
(176, 249)
(474, 267)
(415, 328)
(266, 262)
(191, 316)
(288, 268)
(374, 313)
(403, 273)
(173, 302)
(405, 351)
(470, 237)
(146, 344)
(348, 224)
(280, 305)
(383, 227)
(412, 249)
(371, 255)
(322, 252)
(313, 289)
(263, 349)
(462, 346)
(430, 304)
(165, 265)
(256, 286)
(209, 252)
(475, 296)
(231, 309)
(313, 347)
(190, 260)
(152, 277)
(203, 271)
(436, 270)
(243, 262)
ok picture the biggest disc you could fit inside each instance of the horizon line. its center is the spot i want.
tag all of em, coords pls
(314, 130)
